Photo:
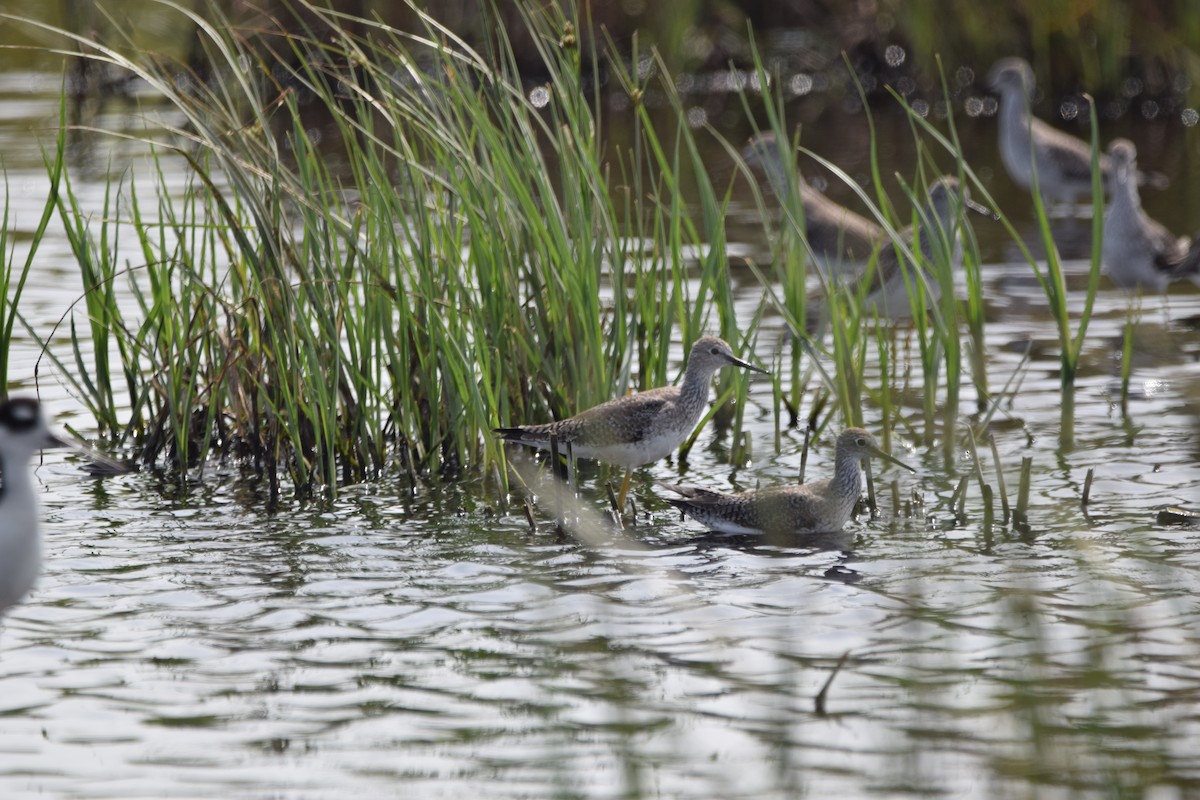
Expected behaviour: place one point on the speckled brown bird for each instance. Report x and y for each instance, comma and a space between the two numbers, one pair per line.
639, 428
823, 506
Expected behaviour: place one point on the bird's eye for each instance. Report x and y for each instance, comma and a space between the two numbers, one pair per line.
861, 442
716, 351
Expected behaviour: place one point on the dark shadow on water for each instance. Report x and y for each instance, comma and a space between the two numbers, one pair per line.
788, 546
778, 544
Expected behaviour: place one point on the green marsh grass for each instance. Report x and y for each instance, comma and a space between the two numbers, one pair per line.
1071, 332
943, 343
446, 257
843, 359
786, 284
935, 326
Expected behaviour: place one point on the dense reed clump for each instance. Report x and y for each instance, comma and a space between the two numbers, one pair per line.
370, 248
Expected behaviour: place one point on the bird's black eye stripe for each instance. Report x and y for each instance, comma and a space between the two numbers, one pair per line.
19, 415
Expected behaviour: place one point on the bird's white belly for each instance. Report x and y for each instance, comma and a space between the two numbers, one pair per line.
630, 454
20, 559
725, 526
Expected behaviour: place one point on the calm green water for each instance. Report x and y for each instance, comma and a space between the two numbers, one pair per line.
430, 645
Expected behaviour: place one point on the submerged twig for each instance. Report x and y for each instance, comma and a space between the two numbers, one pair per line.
819, 700
529, 515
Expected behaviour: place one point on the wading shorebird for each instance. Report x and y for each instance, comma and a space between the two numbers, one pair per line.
1139, 253
892, 280
891, 284
823, 506
1063, 161
639, 428
842, 241
23, 433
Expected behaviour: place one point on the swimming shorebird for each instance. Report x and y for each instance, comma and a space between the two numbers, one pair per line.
639, 428
823, 506
22, 433
1139, 253
1063, 161
842, 241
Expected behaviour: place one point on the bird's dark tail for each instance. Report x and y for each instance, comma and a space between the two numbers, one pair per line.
532, 435
510, 434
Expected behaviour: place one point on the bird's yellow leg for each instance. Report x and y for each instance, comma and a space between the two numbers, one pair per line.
624, 491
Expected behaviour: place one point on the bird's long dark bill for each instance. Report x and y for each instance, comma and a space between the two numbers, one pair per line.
880, 454
737, 362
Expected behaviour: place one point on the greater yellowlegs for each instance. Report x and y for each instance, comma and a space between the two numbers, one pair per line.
639, 428
1139, 253
1063, 161
22, 433
823, 506
841, 240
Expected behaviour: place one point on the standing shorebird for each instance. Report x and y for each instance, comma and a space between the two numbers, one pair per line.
841, 240
22, 433
1139, 253
823, 506
893, 281
639, 428
1063, 161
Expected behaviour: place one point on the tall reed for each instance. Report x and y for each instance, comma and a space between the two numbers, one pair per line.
444, 249
1071, 332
